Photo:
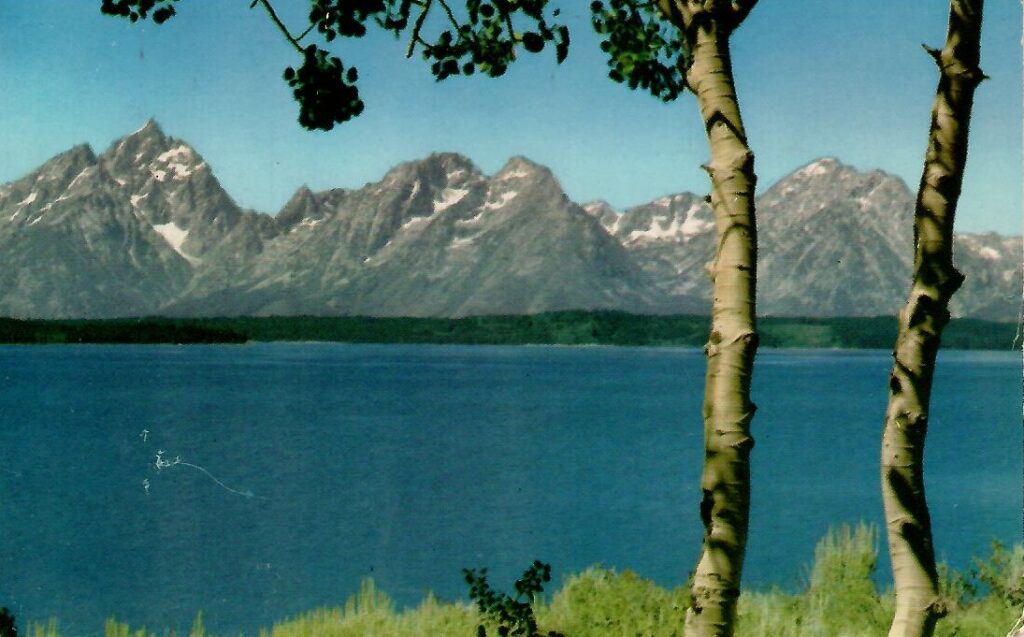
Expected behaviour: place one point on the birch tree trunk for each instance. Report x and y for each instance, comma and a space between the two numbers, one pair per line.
935, 280
727, 411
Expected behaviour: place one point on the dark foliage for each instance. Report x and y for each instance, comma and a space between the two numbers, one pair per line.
514, 615
563, 328
141, 331
484, 36
162, 10
326, 93
645, 51
7, 626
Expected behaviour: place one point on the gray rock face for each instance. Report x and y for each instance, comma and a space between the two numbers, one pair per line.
434, 238
838, 242
833, 241
145, 228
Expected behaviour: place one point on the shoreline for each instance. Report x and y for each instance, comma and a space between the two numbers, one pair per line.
570, 328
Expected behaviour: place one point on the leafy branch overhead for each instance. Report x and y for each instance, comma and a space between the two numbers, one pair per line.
479, 36
645, 51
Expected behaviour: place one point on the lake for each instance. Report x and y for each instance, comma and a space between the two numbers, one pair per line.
292, 471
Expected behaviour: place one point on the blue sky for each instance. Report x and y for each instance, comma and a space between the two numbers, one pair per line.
815, 78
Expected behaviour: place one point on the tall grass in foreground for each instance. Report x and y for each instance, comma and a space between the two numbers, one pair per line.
839, 600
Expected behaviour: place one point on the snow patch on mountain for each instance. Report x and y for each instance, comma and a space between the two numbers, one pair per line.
180, 160
663, 202
518, 173
180, 151
32, 196
693, 225
416, 222
475, 219
175, 237
80, 176
820, 167
503, 199
450, 197
463, 242
661, 228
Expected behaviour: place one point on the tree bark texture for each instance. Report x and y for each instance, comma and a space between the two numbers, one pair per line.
935, 280
728, 410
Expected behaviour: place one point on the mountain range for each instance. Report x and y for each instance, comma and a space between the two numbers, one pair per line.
145, 228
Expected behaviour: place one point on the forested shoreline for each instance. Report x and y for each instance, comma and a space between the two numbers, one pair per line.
553, 328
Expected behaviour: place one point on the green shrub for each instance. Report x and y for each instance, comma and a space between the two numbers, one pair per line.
601, 602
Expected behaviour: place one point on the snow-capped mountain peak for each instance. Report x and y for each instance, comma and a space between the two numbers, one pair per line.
145, 228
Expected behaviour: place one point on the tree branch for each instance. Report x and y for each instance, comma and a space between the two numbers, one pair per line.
450, 14
280, 25
511, 30
305, 33
416, 29
740, 10
677, 12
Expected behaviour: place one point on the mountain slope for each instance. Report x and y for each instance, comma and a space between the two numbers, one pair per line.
833, 241
146, 228
436, 238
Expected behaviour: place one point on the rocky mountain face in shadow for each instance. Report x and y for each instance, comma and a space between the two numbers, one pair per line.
145, 228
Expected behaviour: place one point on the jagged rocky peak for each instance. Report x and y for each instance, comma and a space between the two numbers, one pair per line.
58, 169
149, 153
604, 212
67, 165
520, 167
824, 172
453, 166
528, 180
52, 180
302, 206
147, 138
827, 188
669, 219
150, 130
844, 177
438, 170
819, 167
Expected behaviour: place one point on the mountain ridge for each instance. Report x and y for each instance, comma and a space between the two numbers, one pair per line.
145, 228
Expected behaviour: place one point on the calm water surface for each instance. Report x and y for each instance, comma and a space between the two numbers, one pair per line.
408, 463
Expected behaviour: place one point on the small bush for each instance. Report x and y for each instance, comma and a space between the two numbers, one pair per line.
7, 625
513, 616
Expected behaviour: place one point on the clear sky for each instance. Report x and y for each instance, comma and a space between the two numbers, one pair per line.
842, 78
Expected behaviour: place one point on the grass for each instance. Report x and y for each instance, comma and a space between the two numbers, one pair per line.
839, 600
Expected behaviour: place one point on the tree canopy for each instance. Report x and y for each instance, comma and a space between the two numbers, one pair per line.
645, 49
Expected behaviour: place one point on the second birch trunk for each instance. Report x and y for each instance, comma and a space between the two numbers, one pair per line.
918, 601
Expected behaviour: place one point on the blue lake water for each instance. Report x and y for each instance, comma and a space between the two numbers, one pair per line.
408, 463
